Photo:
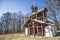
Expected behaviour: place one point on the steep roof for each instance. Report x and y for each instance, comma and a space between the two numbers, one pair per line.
44, 9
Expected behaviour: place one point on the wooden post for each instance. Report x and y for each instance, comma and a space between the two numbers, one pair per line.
28, 29
43, 16
36, 16
37, 30
42, 29
33, 29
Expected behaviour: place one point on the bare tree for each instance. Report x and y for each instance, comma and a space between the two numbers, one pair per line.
21, 21
12, 22
53, 7
6, 21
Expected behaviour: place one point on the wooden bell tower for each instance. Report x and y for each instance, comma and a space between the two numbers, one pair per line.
34, 8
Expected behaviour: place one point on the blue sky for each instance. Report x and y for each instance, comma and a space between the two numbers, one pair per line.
19, 5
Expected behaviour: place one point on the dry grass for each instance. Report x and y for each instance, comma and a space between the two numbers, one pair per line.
21, 36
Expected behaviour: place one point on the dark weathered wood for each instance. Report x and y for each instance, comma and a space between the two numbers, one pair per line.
37, 28
33, 29
43, 16
36, 16
39, 17
42, 30
28, 30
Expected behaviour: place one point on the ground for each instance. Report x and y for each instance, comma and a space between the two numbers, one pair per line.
21, 36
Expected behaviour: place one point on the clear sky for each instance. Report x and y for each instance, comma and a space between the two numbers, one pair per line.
19, 5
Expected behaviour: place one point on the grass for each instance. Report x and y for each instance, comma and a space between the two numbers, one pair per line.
21, 36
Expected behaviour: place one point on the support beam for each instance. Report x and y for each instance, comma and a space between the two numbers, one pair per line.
42, 29
40, 17
37, 30
43, 16
33, 29
28, 29
36, 16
